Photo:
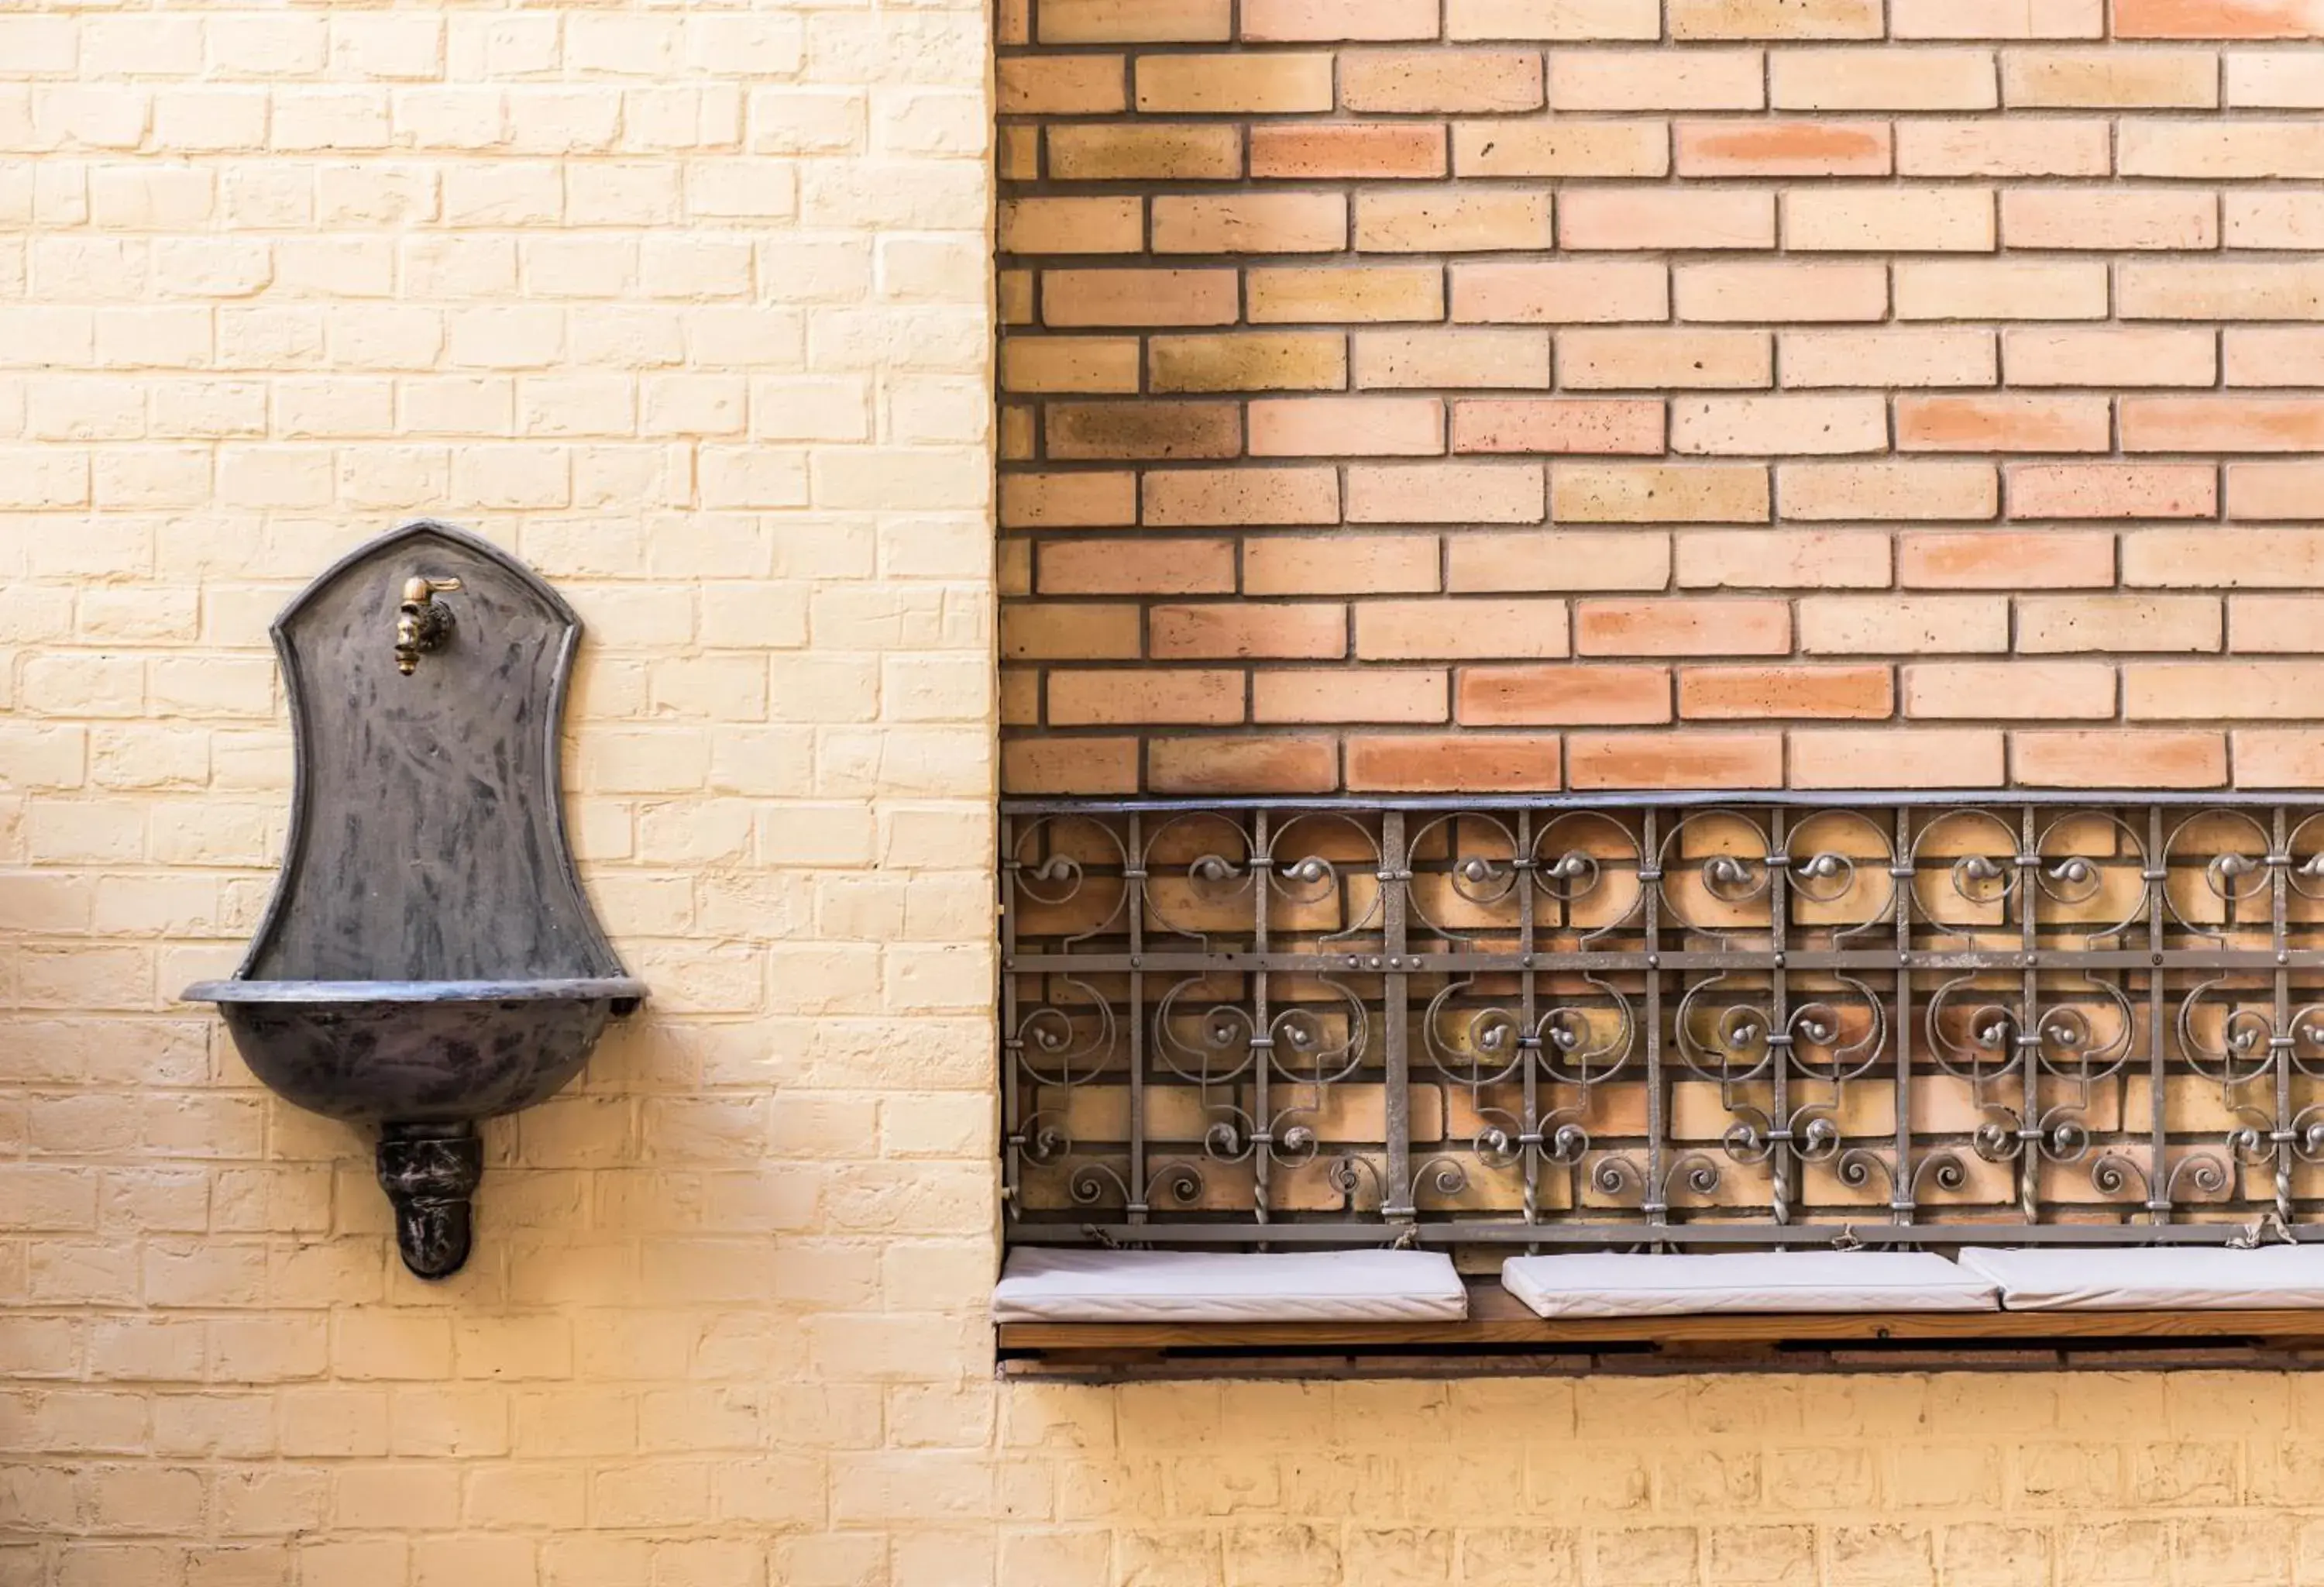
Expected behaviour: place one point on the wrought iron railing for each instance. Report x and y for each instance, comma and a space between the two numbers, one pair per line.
1676, 1021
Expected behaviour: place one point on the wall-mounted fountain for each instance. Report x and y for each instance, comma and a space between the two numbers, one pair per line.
429, 958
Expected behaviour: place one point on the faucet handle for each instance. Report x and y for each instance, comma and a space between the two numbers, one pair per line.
419, 587
421, 624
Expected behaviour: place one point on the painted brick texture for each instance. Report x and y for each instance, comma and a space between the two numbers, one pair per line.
1380, 378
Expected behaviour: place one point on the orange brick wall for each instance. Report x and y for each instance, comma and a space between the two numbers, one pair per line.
1517, 394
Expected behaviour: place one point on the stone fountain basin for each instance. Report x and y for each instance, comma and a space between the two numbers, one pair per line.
417, 1052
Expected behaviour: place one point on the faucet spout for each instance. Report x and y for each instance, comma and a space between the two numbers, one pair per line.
421, 625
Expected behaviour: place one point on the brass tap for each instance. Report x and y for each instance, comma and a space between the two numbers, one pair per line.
421, 624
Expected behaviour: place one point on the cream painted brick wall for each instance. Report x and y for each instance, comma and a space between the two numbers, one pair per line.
689, 306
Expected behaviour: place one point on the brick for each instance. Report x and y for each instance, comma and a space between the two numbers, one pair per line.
1471, 359
1784, 148
2111, 757
2274, 80
1444, 492
1270, 763
2274, 491
1864, 758
1071, 225
1746, 694
1030, 767
1151, 151
1279, 21
1450, 220
1571, 21
1149, 430
1558, 425
2275, 624
2219, 19
2009, 423
1133, 22
2275, 357
1346, 427
2113, 490
1918, 357
2115, 356
1996, 19
2062, 625
1069, 364
1763, 426
1687, 759
1655, 360
2222, 424
1248, 631
2045, 147
1418, 82
1658, 494
1247, 361
1670, 627
1560, 292
2126, 219
1561, 695
1556, 147
2220, 150
1062, 85
1461, 629
1264, 84
1856, 79
1658, 80
1062, 631
2274, 220
2229, 559
1414, 695
2278, 757
1108, 298
1194, 697
1442, 763
2001, 290
1250, 223
1665, 219
1126, 567
1774, 19
1341, 565
1346, 150
1566, 559
2108, 78
1997, 560
1889, 219
2155, 290
1900, 625
1182, 498
2028, 691
1372, 292
1781, 292
1068, 501
1786, 558
2205, 691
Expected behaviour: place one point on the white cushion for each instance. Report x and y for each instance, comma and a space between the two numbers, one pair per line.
1044, 1286
1620, 1286
2155, 1277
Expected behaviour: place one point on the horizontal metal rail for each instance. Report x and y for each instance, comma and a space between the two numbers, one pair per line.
1643, 1021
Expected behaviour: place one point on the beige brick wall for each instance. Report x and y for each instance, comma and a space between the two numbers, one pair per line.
688, 306
1427, 395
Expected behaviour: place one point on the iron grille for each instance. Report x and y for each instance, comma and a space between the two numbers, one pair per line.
1674, 1021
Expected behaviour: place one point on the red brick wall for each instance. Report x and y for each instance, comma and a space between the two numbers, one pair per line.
1515, 394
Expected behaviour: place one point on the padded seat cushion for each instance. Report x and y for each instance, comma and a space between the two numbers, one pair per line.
1041, 1286
1650, 1286
2155, 1277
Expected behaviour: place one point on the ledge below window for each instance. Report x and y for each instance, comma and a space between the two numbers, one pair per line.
1501, 1334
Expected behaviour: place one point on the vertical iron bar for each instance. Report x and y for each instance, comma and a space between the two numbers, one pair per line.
1012, 1188
2028, 1034
2279, 873
1901, 881
1779, 1016
1650, 884
1262, 1040
1529, 1144
1133, 903
1396, 862
2157, 884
